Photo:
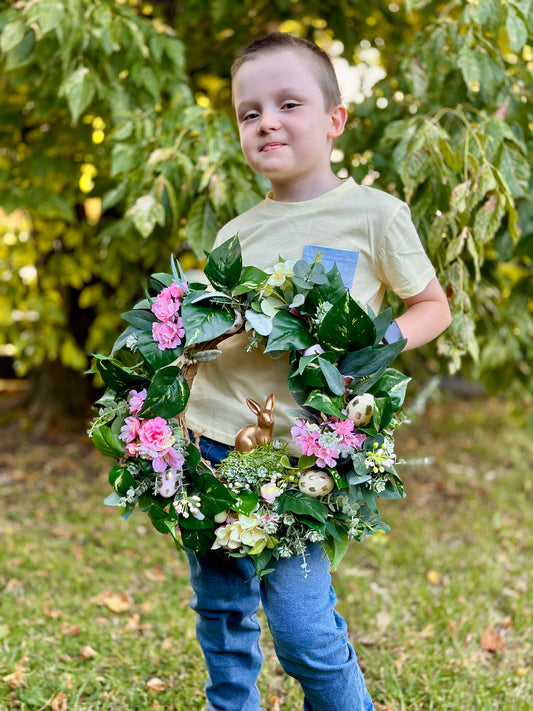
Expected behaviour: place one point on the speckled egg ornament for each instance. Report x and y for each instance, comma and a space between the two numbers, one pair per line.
361, 409
168, 483
315, 483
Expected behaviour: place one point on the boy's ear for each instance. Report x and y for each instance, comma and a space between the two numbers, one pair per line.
337, 121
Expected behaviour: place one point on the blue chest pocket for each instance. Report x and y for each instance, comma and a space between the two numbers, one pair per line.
345, 259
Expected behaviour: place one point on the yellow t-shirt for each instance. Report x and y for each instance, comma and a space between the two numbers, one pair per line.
351, 217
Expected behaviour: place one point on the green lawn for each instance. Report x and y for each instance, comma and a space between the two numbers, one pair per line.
94, 611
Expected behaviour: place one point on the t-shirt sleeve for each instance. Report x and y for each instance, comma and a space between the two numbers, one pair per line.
402, 263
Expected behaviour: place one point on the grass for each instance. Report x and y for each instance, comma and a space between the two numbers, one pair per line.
94, 611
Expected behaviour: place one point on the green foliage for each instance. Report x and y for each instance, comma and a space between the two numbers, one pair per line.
458, 152
118, 146
109, 156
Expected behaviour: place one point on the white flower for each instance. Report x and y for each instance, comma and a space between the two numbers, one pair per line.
280, 272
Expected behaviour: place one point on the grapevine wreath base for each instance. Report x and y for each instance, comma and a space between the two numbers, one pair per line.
261, 501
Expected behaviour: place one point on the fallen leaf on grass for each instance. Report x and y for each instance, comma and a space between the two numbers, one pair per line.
491, 640
156, 574
116, 602
13, 585
134, 624
61, 532
275, 701
59, 702
433, 577
87, 652
384, 619
15, 678
71, 630
156, 684
428, 631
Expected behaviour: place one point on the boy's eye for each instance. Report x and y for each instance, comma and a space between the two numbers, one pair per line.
290, 104
249, 115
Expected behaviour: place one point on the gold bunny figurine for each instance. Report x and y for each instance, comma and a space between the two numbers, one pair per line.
249, 437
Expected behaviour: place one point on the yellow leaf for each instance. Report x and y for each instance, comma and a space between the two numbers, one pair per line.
433, 577
116, 602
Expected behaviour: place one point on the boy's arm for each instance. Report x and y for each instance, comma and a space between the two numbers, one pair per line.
426, 316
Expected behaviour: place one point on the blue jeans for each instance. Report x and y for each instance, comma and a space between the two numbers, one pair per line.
310, 637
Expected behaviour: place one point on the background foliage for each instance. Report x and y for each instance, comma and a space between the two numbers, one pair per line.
117, 148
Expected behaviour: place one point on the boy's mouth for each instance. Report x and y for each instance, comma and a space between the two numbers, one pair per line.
272, 146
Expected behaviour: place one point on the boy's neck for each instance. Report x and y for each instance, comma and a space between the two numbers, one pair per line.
302, 190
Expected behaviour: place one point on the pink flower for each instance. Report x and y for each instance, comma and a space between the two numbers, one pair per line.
299, 428
130, 429
165, 307
155, 436
326, 456
308, 442
133, 449
305, 435
167, 303
171, 458
136, 400
168, 334
357, 439
341, 427
176, 290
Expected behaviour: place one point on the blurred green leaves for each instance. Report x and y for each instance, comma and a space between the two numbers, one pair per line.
116, 165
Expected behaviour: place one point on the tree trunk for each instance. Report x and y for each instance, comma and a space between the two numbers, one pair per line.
58, 398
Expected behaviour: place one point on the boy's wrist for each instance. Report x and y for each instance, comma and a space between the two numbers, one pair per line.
392, 334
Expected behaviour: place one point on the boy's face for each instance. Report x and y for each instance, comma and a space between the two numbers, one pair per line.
285, 129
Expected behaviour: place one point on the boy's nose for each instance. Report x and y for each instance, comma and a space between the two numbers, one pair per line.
268, 122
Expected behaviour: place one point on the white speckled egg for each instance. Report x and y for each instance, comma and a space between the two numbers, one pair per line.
361, 409
167, 483
315, 483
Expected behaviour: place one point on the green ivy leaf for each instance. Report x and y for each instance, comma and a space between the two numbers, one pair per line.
246, 502
116, 376
167, 395
155, 357
325, 403
289, 333
370, 360
108, 443
252, 278
224, 265
123, 482
346, 326
394, 384
335, 546
214, 495
115, 472
300, 503
202, 324
160, 518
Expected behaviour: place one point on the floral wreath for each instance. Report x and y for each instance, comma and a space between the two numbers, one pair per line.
257, 502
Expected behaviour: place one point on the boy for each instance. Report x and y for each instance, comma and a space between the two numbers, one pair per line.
289, 112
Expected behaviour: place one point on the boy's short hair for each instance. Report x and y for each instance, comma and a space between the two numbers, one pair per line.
283, 40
